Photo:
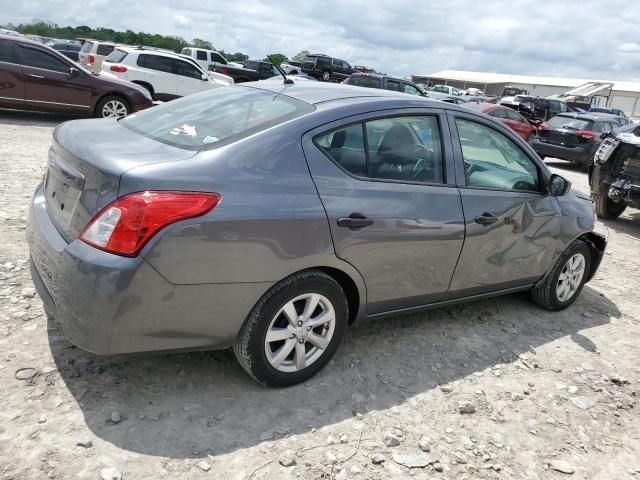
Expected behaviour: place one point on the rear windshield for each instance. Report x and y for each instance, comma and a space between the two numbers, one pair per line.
116, 56
569, 122
104, 49
369, 82
216, 117
86, 47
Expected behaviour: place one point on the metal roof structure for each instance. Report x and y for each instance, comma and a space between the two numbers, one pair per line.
494, 78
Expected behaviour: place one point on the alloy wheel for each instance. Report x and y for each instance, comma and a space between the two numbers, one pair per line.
570, 277
114, 109
300, 332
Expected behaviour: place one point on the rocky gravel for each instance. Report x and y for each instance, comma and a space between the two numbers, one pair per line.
495, 389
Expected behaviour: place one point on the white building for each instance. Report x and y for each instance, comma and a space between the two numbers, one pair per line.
609, 93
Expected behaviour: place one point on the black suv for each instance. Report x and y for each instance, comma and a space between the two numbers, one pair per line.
376, 80
326, 68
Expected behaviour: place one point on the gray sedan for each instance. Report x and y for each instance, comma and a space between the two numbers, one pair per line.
269, 217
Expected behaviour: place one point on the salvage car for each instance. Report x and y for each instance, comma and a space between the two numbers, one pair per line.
614, 175
326, 68
572, 136
508, 116
268, 217
36, 77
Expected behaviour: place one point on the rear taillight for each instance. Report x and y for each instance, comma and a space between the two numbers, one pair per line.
586, 134
126, 225
543, 126
224, 71
91, 59
118, 68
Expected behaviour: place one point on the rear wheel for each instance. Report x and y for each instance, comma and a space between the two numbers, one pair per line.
112, 106
566, 279
294, 330
607, 208
326, 75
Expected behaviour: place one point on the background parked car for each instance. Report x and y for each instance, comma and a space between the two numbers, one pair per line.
612, 111
508, 116
443, 97
93, 52
572, 136
326, 68
165, 75
253, 70
206, 58
619, 120
447, 90
376, 80
68, 49
291, 67
40, 78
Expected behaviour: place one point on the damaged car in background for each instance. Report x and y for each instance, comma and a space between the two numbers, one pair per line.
614, 175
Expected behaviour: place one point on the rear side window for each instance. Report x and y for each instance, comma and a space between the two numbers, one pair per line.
185, 69
104, 49
156, 62
215, 117
116, 56
513, 115
8, 52
560, 121
201, 55
370, 82
86, 47
36, 58
407, 149
498, 113
394, 85
411, 90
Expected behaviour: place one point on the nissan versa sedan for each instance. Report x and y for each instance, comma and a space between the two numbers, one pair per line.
269, 217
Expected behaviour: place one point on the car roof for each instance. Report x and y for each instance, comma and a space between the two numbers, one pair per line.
321, 92
24, 40
603, 115
482, 106
151, 51
583, 116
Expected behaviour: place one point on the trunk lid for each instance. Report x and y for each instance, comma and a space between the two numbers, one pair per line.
86, 161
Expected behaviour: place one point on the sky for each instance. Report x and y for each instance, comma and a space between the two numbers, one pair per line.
592, 39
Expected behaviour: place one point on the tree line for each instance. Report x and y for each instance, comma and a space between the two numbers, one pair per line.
129, 37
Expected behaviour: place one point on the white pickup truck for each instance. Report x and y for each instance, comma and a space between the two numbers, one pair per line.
207, 57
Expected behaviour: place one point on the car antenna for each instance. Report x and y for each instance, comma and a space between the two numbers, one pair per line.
287, 81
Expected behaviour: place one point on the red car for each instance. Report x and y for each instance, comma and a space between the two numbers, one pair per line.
508, 116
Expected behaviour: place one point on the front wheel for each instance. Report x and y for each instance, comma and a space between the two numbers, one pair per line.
112, 106
607, 208
566, 279
294, 330
326, 75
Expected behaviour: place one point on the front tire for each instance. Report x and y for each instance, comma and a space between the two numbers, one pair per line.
326, 76
566, 279
294, 330
607, 208
112, 106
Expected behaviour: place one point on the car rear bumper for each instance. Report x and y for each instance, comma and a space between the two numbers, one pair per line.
578, 154
108, 304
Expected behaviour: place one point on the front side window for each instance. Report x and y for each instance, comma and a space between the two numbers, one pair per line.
515, 116
498, 113
491, 160
201, 55
35, 58
8, 52
216, 57
394, 85
206, 120
105, 49
360, 81
407, 149
185, 69
411, 90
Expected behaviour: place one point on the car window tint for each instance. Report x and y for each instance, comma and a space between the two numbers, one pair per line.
116, 56
498, 113
156, 62
394, 85
185, 69
405, 148
216, 57
513, 115
104, 49
410, 89
36, 58
360, 81
8, 52
201, 55
491, 160
345, 147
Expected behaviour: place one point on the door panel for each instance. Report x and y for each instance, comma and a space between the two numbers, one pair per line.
11, 85
512, 229
189, 78
407, 246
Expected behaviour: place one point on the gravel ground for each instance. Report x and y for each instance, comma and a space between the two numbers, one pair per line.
492, 389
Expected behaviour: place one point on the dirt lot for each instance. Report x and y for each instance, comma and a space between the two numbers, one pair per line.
549, 392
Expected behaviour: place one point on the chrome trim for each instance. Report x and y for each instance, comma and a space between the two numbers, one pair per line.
58, 103
14, 99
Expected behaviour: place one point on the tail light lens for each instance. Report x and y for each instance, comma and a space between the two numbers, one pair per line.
118, 68
91, 59
126, 225
224, 71
543, 126
587, 134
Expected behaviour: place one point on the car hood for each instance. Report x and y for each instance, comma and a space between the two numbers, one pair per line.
108, 79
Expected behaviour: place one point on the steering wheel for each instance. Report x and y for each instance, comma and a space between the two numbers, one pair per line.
424, 156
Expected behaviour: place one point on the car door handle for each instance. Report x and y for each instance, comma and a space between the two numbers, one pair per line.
355, 221
35, 76
486, 218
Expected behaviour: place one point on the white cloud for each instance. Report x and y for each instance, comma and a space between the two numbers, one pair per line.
586, 39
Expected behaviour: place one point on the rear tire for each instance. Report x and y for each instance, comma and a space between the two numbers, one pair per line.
606, 208
566, 279
326, 76
112, 106
294, 330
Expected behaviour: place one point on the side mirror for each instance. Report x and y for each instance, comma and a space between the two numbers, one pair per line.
558, 186
204, 77
73, 72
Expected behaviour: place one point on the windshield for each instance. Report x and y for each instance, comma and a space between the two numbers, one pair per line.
216, 117
570, 122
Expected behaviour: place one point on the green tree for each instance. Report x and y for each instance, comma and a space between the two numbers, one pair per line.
278, 58
299, 57
199, 43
